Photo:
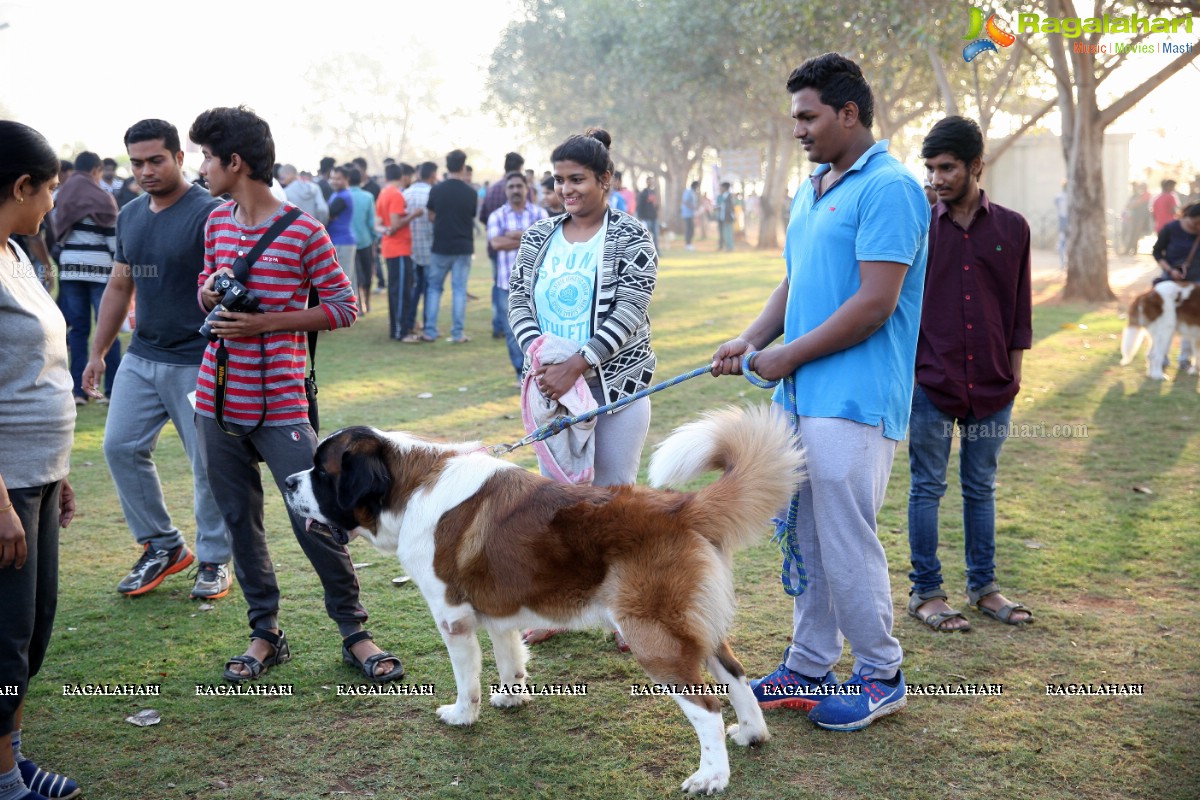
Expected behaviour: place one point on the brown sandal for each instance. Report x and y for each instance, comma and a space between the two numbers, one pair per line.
934, 621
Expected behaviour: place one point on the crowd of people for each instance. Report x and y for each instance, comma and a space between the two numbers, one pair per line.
910, 306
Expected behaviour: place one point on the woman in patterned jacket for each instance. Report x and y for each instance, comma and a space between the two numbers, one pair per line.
588, 276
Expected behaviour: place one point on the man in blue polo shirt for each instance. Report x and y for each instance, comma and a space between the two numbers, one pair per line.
849, 310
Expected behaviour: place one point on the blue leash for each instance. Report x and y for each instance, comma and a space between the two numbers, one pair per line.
785, 529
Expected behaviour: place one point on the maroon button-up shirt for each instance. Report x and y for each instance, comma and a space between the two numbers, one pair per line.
978, 306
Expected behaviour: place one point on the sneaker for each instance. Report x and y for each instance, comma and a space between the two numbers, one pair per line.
786, 688
46, 784
853, 712
212, 581
152, 567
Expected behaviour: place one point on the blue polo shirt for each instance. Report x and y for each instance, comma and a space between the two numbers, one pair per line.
876, 212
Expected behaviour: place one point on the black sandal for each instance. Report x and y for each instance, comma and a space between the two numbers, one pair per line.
282, 655
368, 666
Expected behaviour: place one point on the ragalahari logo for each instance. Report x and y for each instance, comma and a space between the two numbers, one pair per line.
995, 35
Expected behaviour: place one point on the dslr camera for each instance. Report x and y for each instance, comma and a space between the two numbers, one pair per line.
234, 297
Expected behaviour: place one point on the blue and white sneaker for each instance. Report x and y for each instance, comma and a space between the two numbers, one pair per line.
786, 688
853, 712
46, 784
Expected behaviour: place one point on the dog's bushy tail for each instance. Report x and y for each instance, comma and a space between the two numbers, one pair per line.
762, 466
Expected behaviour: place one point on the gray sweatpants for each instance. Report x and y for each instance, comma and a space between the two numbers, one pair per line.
619, 441
146, 394
848, 590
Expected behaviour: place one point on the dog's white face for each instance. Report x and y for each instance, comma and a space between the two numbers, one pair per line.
338, 497
361, 474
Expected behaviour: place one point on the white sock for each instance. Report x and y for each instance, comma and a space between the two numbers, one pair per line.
11, 785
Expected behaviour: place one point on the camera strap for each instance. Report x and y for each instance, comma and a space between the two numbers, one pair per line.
241, 271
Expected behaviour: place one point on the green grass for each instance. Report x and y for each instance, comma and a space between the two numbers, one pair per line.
1110, 572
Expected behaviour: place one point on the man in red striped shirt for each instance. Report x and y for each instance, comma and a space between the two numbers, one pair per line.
265, 412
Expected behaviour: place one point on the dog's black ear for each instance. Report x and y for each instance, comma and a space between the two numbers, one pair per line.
364, 482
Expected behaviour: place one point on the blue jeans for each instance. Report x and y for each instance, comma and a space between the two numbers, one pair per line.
79, 300
725, 236
414, 296
930, 431
515, 355
458, 267
399, 276
499, 312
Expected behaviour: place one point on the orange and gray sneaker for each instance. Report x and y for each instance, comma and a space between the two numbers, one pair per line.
212, 581
152, 567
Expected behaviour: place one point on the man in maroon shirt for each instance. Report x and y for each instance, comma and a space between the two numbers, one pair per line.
975, 327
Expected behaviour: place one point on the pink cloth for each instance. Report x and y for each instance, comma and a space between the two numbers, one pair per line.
568, 456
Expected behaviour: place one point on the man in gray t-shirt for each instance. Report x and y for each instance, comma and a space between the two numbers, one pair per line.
160, 251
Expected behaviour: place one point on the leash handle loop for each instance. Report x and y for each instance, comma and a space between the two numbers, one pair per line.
751, 375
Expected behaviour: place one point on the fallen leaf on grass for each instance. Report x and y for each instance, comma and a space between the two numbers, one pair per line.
220, 785
145, 717
425, 396
1033, 545
1143, 490
206, 607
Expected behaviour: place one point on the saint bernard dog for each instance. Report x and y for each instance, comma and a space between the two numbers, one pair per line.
493, 545
1169, 307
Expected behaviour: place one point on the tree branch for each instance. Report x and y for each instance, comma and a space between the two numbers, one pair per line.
1131, 98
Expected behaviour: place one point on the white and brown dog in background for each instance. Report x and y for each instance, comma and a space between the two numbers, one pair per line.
1169, 307
492, 545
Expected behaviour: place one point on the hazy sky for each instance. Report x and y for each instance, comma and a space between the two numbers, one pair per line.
82, 72
93, 68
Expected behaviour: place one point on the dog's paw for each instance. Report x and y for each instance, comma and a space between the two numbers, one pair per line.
747, 736
505, 700
458, 715
706, 781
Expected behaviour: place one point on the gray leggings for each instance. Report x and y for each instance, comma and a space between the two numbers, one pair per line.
619, 441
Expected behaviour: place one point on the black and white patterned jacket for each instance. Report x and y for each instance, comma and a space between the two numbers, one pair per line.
620, 343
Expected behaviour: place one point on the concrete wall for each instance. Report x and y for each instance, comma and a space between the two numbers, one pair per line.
1030, 173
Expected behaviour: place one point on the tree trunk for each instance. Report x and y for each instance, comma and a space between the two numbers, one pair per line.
774, 196
1087, 227
1087, 223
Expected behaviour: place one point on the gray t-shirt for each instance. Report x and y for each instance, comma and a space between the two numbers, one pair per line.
37, 412
165, 250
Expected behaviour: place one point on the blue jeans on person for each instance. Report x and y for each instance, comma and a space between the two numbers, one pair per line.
725, 236
398, 277
79, 300
499, 313
515, 355
652, 229
930, 431
458, 267
414, 293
